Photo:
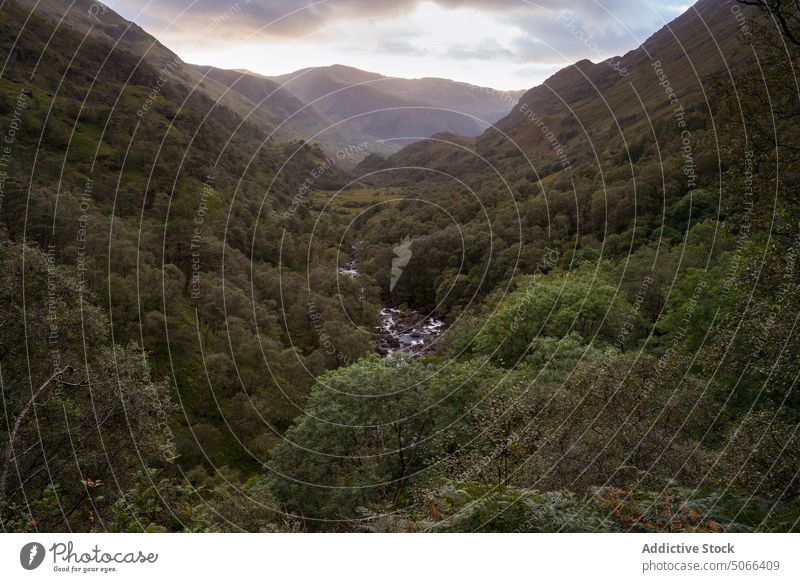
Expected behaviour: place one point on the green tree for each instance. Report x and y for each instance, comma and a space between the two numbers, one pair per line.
366, 433
555, 307
80, 414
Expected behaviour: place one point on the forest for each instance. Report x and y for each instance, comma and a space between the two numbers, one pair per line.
190, 299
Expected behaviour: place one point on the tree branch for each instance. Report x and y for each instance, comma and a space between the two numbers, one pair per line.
9, 452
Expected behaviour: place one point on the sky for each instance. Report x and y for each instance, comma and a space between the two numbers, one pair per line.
503, 44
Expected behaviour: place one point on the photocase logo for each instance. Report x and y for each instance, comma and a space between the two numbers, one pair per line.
31, 555
403, 252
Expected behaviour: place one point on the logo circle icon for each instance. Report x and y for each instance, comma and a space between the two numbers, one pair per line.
31, 555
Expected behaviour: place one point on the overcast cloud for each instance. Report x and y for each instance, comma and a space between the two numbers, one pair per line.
524, 41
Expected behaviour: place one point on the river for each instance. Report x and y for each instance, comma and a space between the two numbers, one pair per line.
401, 329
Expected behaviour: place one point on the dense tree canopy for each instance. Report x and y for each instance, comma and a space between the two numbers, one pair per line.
188, 307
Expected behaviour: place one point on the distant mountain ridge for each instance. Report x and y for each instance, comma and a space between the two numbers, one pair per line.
392, 108
289, 111
312, 104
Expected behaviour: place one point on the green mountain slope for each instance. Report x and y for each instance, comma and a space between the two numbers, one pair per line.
591, 112
615, 267
171, 219
101, 22
288, 109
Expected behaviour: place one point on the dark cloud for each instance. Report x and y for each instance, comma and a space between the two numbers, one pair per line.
293, 18
514, 34
283, 18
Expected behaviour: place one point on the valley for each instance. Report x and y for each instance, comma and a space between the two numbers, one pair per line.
401, 330
337, 300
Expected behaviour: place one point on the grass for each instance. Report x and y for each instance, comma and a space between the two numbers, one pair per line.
353, 201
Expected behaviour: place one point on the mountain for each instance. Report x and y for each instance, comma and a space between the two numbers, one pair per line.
614, 275
702, 41
300, 105
633, 211
131, 190
311, 104
392, 108
100, 22
255, 98
592, 112
597, 155
266, 94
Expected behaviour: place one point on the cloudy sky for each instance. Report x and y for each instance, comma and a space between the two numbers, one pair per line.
505, 44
